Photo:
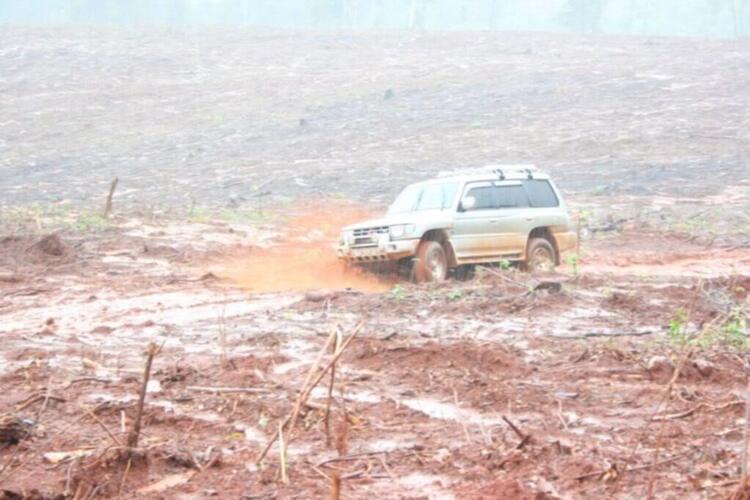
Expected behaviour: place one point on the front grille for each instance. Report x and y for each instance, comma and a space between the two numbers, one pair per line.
370, 231
365, 242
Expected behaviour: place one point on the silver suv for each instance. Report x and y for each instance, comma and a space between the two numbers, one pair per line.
453, 222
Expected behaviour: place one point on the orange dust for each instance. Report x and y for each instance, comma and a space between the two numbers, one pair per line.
305, 258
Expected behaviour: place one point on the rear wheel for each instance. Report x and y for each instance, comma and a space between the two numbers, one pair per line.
431, 263
540, 255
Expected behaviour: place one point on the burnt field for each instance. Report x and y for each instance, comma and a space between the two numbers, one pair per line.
218, 117
240, 155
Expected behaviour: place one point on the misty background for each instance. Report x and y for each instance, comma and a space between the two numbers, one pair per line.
695, 18
634, 107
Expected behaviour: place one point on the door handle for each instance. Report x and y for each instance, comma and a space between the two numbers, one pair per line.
529, 219
492, 221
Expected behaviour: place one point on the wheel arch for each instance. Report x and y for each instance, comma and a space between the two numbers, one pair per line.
546, 233
441, 236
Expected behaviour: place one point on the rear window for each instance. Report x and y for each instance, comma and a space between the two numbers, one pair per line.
512, 197
541, 193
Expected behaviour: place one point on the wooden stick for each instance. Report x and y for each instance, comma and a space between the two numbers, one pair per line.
681, 414
330, 391
336, 486
640, 467
124, 476
310, 388
282, 454
578, 238
136, 430
503, 277
463, 423
101, 424
302, 390
35, 398
306, 392
224, 390
108, 206
359, 456
524, 437
298, 404
746, 447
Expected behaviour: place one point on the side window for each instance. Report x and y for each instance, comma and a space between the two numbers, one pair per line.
512, 197
484, 196
541, 193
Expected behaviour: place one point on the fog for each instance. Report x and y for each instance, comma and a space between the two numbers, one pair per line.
695, 18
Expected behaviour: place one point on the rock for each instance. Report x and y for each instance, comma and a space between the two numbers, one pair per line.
660, 367
14, 429
51, 245
153, 386
442, 455
549, 286
704, 366
10, 278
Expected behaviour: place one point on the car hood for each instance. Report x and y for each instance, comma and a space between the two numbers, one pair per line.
435, 218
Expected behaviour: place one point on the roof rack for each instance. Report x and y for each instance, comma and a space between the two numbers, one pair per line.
500, 170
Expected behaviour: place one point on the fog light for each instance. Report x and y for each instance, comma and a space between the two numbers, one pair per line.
383, 240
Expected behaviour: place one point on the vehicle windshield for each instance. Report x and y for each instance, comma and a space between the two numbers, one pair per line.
418, 197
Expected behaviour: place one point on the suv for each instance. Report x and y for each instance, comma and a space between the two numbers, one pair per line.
457, 220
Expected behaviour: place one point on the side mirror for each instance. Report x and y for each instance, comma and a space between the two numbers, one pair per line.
467, 203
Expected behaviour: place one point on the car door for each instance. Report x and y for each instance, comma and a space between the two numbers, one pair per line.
513, 219
474, 234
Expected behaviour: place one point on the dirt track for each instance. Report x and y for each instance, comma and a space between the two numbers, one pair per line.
577, 367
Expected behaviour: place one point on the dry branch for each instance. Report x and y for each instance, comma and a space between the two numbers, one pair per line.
136, 430
640, 467
337, 346
101, 424
746, 441
226, 390
302, 398
108, 206
524, 437
35, 398
282, 455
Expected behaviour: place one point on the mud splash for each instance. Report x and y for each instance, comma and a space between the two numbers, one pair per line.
305, 258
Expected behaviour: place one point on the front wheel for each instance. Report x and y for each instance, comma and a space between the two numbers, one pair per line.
431, 263
540, 255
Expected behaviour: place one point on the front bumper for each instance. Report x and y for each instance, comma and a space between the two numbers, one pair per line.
384, 251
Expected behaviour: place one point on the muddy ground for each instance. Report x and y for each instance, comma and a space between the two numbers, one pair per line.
579, 362
229, 146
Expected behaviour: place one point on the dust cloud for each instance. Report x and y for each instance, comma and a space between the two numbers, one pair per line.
305, 258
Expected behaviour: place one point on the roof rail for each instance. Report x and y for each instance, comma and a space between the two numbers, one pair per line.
499, 170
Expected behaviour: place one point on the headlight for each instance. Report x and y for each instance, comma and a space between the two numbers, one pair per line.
347, 237
401, 230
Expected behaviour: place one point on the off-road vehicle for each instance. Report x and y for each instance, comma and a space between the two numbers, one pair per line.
494, 214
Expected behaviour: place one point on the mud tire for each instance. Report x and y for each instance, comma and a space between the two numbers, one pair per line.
431, 263
540, 256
